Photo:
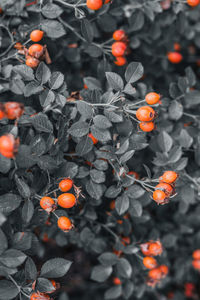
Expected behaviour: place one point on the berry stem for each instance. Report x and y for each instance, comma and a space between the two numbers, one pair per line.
17, 286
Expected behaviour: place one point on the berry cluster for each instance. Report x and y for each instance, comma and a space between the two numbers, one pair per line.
11, 110
166, 187
120, 47
196, 259
156, 272
65, 200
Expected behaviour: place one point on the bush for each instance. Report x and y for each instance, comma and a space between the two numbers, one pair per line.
99, 149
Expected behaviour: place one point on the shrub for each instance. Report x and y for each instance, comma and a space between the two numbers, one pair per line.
99, 149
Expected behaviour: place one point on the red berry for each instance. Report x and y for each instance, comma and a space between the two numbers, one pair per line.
13, 110
193, 2
196, 254
64, 223
152, 98
120, 61
47, 203
145, 113
175, 57
119, 35
65, 185
149, 262
66, 200
94, 4
36, 35
147, 126
169, 177
118, 48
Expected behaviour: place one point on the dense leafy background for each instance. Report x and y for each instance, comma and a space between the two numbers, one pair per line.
54, 143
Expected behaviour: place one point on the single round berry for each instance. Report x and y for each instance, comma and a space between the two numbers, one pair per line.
159, 196
147, 126
36, 50
169, 177
152, 98
164, 269
32, 62
8, 145
64, 223
116, 281
118, 48
65, 185
196, 254
13, 110
193, 3
175, 57
47, 203
166, 187
66, 200
95, 141
149, 262
196, 264
36, 35
145, 114
119, 35
155, 274
39, 296
94, 4
120, 61
155, 248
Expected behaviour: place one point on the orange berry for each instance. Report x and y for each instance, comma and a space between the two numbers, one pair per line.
94, 4
39, 296
147, 126
169, 177
149, 262
119, 35
47, 203
155, 274
196, 254
118, 48
160, 197
177, 47
117, 281
36, 50
85, 86
152, 98
64, 223
107, 1
32, 62
36, 35
95, 141
145, 113
2, 112
126, 240
8, 145
164, 269
13, 110
112, 204
193, 2
175, 57
196, 264
155, 248
167, 188
136, 175
120, 61
65, 185
66, 200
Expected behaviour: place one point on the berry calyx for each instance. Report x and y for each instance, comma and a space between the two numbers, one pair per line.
13, 110
175, 57
145, 113
8, 145
118, 49
36, 50
147, 126
94, 4
36, 35
32, 62
149, 262
66, 200
95, 141
193, 3
65, 185
117, 281
48, 204
64, 224
196, 254
152, 98
169, 177
166, 187
120, 61
119, 35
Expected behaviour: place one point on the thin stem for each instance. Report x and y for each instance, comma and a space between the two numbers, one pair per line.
190, 115
108, 41
65, 3
11, 38
71, 28
17, 286
55, 214
133, 104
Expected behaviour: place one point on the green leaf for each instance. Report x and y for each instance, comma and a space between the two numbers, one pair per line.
27, 211
87, 30
122, 204
101, 121
165, 141
30, 269
51, 11
113, 292
100, 134
41, 123
56, 80
24, 71
43, 73
124, 268
115, 81
3, 243
53, 29
79, 129
108, 259
8, 290
44, 285
9, 202
12, 258
55, 268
